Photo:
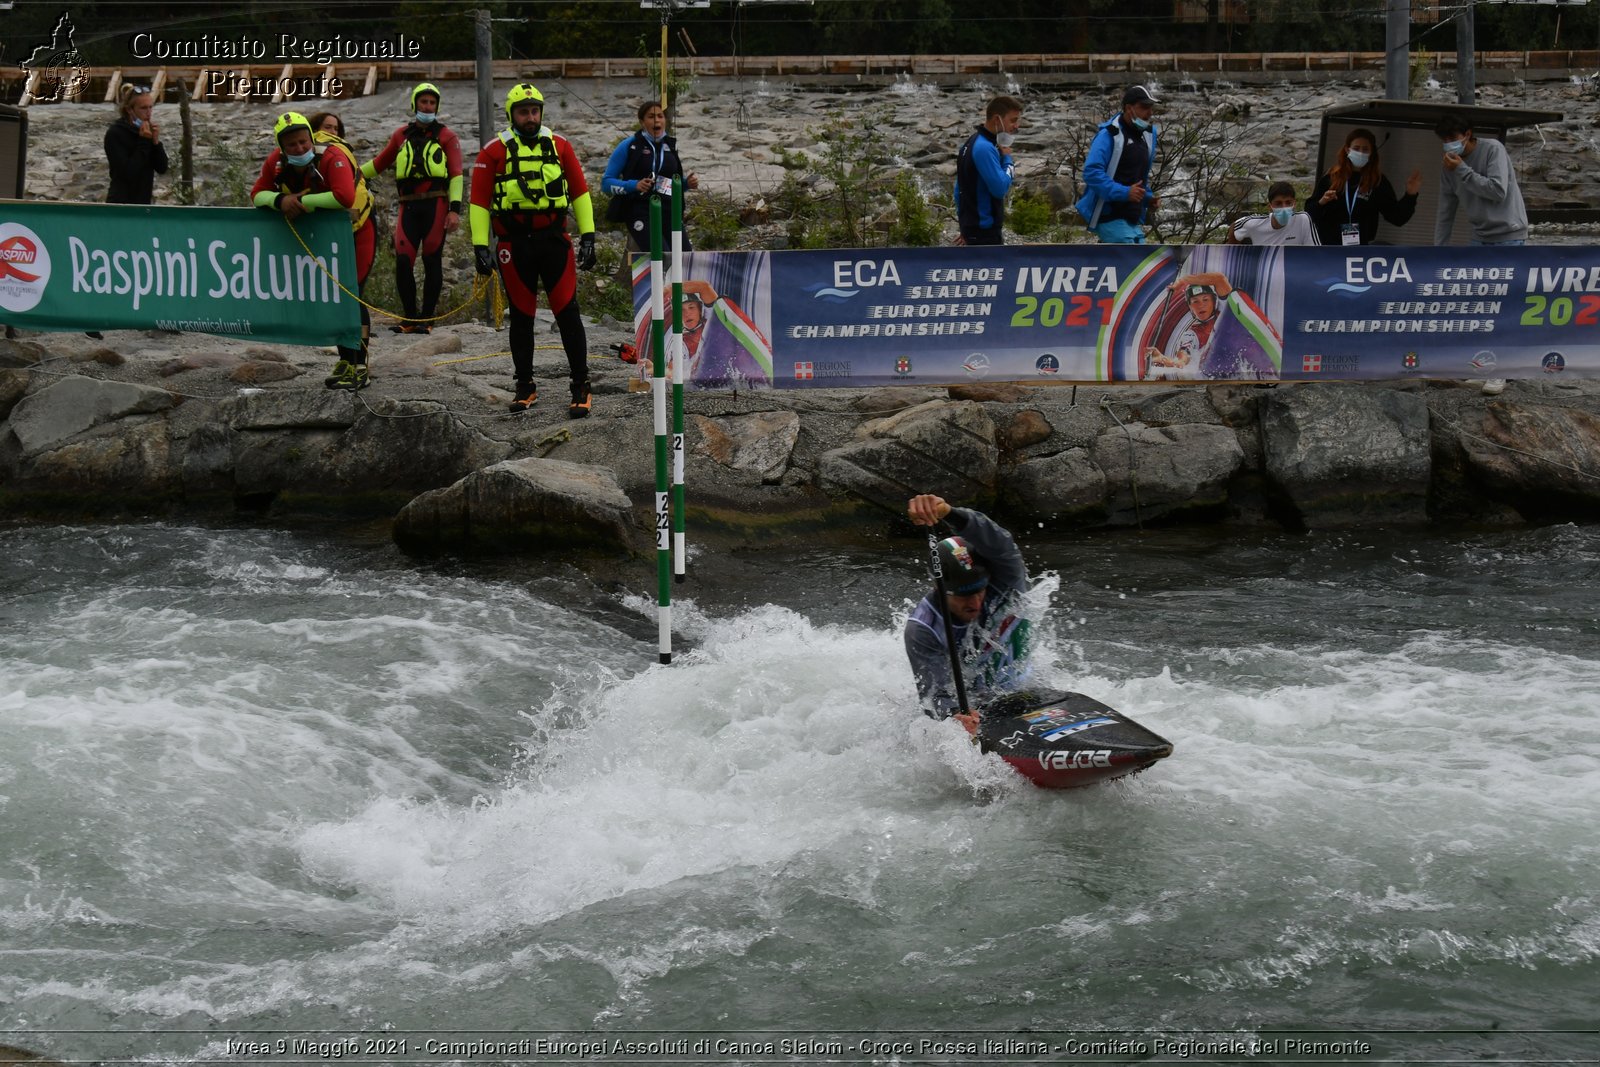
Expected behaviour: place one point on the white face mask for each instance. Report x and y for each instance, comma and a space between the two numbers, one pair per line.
302, 159
1357, 159
426, 117
1005, 140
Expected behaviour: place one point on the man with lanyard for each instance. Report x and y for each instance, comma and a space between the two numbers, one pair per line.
1116, 172
426, 157
984, 579
984, 170
522, 185
303, 174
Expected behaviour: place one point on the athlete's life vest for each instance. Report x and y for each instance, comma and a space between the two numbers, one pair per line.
361, 208
531, 179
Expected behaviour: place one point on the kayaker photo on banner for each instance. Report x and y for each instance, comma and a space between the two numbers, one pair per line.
1210, 327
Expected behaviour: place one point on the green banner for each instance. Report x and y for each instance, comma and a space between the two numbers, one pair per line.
237, 272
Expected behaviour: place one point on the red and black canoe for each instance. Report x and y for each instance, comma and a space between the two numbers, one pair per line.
1063, 740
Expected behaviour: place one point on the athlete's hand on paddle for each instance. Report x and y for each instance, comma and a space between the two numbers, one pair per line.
927, 510
586, 255
970, 721
482, 259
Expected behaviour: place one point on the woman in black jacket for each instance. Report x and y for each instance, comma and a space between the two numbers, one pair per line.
1348, 199
133, 148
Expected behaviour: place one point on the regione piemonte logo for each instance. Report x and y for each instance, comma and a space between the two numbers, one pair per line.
24, 267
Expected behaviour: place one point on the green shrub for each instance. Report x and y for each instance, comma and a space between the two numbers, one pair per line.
1031, 214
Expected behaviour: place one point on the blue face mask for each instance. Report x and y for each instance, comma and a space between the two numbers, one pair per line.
1282, 215
1141, 125
302, 159
1454, 147
137, 123
426, 117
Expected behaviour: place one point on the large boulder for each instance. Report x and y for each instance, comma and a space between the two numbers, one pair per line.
116, 468
760, 443
66, 408
939, 447
521, 506
1166, 472
1539, 459
328, 451
1346, 455
1066, 488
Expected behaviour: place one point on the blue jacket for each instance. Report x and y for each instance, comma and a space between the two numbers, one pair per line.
983, 178
636, 157
1100, 166
994, 650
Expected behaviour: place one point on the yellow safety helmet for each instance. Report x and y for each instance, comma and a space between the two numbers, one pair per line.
425, 87
288, 121
522, 94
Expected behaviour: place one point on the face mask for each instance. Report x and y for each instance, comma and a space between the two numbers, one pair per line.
137, 123
1005, 140
1357, 159
426, 117
1454, 147
1282, 215
302, 159
1141, 125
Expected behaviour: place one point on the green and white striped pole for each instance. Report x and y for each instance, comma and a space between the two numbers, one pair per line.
680, 355
658, 352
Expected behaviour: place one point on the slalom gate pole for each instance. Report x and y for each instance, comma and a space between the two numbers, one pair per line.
658, 352
679, 356
949, 631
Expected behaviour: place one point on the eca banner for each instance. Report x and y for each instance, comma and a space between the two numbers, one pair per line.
238, 272
1129, 313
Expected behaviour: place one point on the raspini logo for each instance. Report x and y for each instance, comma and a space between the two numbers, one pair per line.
24, 268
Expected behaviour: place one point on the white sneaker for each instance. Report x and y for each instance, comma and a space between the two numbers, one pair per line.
1494, 386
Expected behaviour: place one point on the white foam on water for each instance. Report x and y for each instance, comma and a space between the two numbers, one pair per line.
773, 738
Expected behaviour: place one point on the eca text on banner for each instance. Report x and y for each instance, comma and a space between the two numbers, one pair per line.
1131, 313
237, 272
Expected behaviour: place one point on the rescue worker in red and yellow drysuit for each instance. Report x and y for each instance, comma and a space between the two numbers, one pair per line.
426, 157
523, 184
318, 172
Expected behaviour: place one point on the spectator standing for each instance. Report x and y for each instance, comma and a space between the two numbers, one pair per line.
426, 157
133, 148
984, 171
1478, 178
1116, 173
523, 183
1282, 225
305, 173
636, 164
1349, 198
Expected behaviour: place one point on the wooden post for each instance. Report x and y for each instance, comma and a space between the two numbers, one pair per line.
113, 85
285, 76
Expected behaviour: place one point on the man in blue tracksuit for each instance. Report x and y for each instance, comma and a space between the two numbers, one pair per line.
984, 581
984, 171
1116, 173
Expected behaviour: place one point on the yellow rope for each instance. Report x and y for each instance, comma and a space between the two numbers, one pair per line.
478, 283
